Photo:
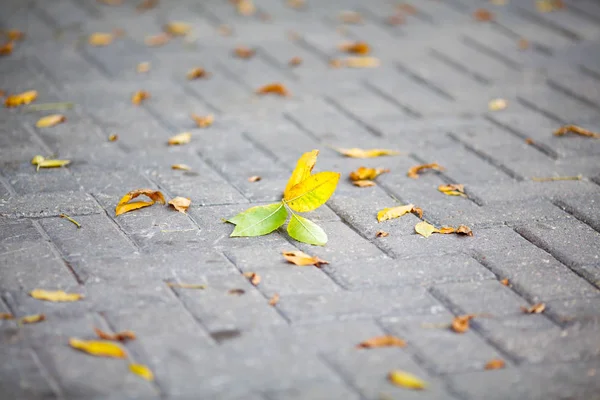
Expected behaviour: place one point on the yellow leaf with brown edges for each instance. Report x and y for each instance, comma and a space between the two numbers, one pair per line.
425, 229
414, 171
364, 184
364, 173
181, 167
406, 380
382, 234
203, 121
576, 130
7, 48
55, 296
302, 259
50, 120
453, 190
397, 212
98, 348
139, 96
52, 163
546, 6
181, 204
136, 205
496, 363
355, 62
382, 341
304, 167
196, 73
100, 39
113, 137
117, 337
123, 206
180, 138
461, 230
160, 39
244, 52
273, 88
142, 371
177, 28
31, 319
370, 153
15, 100
361, 48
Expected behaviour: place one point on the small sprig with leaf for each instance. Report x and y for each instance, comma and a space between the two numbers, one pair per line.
303, 192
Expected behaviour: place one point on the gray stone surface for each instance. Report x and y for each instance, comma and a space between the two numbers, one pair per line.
428, 99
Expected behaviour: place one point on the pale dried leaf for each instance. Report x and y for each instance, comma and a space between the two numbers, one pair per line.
350, 17
361, 48
364, 173
100, 39
425, 229
364, 183
143, 67
253, 277
534, 309
382, 341
413, 172
302, 259
274, 299
180, 138
181, 204
254, 178
497, 104
245, 7
397, 212
203, 121
181, 167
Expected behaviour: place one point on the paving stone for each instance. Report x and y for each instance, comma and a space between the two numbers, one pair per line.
316, 390
49, 205
23, 377
575, 310
583, 208
291, 279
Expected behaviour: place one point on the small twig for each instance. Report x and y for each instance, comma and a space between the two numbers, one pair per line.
65, 216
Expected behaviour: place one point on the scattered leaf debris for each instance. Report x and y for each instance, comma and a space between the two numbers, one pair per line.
31, 319
425, 229
296, 4
382, 341
382, 234
453, 189
481, 14
244, 52
505, 282
143, 67
177, 28
245, 7
302, 259
98, 348
253, 277
4, 315
360, 153
351, 17
254, 178
224, 30
496, 363
546, 6
99, 39
142, 371
497, 105
50, 120
413, 172
15, 34
197, 73
529, 141
534, 309
576, 130
181, 204
157, 40
273, 88
181, 167
236, 292
7, 48
397, 212
124, 206
460, 324
295, 61
145, 5
361, 48
122, 336
364, 173
355, 62
138, 97
180, 138
203, 121
15, 100
364, 183
113, 137
65, 216
406, 380
274, 299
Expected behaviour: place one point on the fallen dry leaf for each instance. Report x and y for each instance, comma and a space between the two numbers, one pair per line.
15, 100
177, 28
302, 259
397, 212
364, 173
117, 337
382, 234
363, 184
100, 39
15, 34
31, 319
296, 3
254, 178
406, 380
481, 14
425, 229
529, 141
45, 163
146, 5
461, 230
460, 324
37, 159
236, 292
557, 178
98, 348
65, 216
157, 40
496, 363
273, 88
244, 52
4, 315
505, 282
142, 371
523, 44
355, 62
453, 190
7, 48
196, 73
143, 67
139, 96
181, 167
274, 299
186, 285
382, 341
253, 277
546, 6
350, 17
113, 137
245, 7
2, 93
497, 104
577, 130
534, 309
203, 121
123, 206
406, 8
360, 153
180, 138
361, 48
50, 120
181, 204
295, 61
414, 171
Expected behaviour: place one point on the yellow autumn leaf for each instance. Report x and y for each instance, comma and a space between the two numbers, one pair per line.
142, 371
413, 172
100, 39
203, 121
50, 120
361, 48
15, 100
395, 212
425, 229
157, 40
364, 173
497, 104
52, 163
360, 153
576, 130
37, 159
123, 206
245, 7
302, 259
143, 67
136, 205
177, 28
55, 296
453, 190
356, 62
304, 167
139, 96
312, 192
181, 204
31, 319
364, 184
196, 73
181, 167
180, 138
406, 380
98, 348
273, 88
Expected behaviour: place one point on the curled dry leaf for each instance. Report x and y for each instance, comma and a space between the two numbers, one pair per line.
7, 48
245, 7
115, 337
382, 234
414, 171
382, 341
180, 138
124, 206
534, 309
143, 67
364, 173
142, 371
100, 39
244, 52
236, 292
273, 88
157, 40
139, 96
497, 104
31, 319
50, 120
181, 204
253, 277
453, 190
196, 73
295, 61
481, 14
361, 48
254, 178
15, 100
360, 153
181, 167
4, 315
577, 130
302, 259
397, 212
203, 121
355, 62
177, 28
460, 324
406, 380
496, 363
113, 137
350, 17
274, 299
98, 348
364, 183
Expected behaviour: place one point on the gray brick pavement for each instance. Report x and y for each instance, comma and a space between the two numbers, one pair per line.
428, 99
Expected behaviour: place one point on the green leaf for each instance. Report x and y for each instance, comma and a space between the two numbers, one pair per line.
304, 230
313, 192
259, 220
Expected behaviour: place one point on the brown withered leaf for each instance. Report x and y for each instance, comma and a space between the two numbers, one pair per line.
31, 319
123, 206
397, 212
382, 234
196, 73
413, 172
497, 105
302, 259
142, 67
253, 277
505, 282
534, 309
254, 178
350, 17
139, 96
382, 341
274, 299
546, 6
4, 315
245, 7
99, 39
203, 121
496, 363
116, 337
15, 34
364, 183
460, 324
273, 88
364, 173
453, 189
181, 167
577, 130
236, 292
50, 120
481, 14
529, 141
146, 5
113, 137
361, 48
295, 61
244, 52
523, 44
55, 296
181, 204
360, 153
177, 28
15, 100
180, 138
160, 39
7, 48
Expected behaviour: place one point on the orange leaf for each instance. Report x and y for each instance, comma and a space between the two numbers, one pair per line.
245, 7
414, 171
181, 204
481, 14
382, 234
302, 259
50, 120
534, 309
577, 130
180, 138
363, 184
254, 178
460, 324
4, 315
157, 40
505, 282
274, 299
100, 39
355, 62
496, 363
203, 122
196, 73
117, 337
364, 173
7, 48
139, 96
273, 88
253, 277
15, 100
382, 341
177, 28
124, 206
361, 48
15, 35
244, 52
143, 67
